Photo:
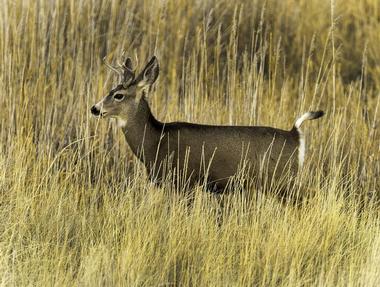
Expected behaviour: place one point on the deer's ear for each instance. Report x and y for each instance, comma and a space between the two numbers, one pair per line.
128, 64
150, 73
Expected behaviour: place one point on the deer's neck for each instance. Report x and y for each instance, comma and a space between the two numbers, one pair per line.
143, 133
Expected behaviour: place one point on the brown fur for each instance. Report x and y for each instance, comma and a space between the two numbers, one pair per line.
221, 148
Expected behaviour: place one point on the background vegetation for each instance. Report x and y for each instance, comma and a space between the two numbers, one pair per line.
77, 209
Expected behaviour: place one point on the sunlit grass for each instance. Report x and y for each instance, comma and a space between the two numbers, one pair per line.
77, 207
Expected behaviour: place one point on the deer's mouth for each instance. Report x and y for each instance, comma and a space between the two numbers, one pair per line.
100, 115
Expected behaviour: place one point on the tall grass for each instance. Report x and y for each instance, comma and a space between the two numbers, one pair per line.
77, 208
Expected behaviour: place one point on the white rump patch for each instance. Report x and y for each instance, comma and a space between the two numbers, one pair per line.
301, 149
302, 145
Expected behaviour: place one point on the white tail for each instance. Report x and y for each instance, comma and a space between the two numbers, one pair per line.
308, 116
297, 125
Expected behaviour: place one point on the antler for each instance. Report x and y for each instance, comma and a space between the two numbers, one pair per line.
125, 71
113, 68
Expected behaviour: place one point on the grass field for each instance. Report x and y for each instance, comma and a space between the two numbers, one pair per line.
76, 208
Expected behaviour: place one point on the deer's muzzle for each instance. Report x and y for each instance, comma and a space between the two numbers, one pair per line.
95, 111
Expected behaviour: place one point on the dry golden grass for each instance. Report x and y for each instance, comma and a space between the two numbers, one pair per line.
77, 209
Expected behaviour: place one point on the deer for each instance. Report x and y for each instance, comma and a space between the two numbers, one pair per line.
198, 152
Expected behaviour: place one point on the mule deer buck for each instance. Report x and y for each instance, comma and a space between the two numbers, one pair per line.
197, 152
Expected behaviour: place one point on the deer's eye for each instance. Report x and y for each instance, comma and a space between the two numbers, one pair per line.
118, 97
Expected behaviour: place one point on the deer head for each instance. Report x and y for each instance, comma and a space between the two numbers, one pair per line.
122, 101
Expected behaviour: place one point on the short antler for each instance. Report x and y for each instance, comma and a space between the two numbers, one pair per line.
125, 70
112, 68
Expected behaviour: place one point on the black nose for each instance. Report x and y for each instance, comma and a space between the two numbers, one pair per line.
95, 111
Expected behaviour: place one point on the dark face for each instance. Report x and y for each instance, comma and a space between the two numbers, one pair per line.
122, 101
